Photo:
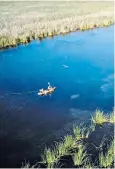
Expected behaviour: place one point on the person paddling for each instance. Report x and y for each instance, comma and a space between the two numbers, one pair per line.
49, 86
49, 90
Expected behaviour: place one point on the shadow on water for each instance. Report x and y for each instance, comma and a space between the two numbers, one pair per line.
29, 122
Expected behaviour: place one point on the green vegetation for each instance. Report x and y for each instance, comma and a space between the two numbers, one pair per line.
21, 22
51, 156
79, 156
88, 164
69, 142
106, 160
77, 132
80, 132
112, 118
61, 149
100, 117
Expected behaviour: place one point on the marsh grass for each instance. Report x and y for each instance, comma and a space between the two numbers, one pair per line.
77, 132
81, 132
112, 117
49, 157
61, 150
106, 160
21, 22
69, 142
99, 117
80, 156
63, 147
72, 145
88, 164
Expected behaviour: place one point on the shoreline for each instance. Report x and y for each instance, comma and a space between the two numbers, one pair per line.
39, 20
19, 41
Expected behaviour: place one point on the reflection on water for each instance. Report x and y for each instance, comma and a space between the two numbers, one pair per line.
29, 122
74, 96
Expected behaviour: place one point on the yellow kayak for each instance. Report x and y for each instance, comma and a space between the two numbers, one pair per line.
47, 91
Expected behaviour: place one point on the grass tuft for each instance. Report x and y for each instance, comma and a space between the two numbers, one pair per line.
99, 117
107, 159
64, 147
52, 157
80, 132
69, 141
77, 132
61, 150
49, 157
111, 117
80, 156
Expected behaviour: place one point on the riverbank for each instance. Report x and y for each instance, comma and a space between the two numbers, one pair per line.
87, 147
21, 22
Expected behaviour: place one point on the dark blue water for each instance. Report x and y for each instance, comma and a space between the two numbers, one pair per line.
28, 122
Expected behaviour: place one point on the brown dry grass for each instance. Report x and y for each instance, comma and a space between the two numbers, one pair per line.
20, 22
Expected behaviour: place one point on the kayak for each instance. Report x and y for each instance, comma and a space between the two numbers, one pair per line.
47, 91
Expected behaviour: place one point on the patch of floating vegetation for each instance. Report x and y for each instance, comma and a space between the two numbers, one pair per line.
74, 148
10, 41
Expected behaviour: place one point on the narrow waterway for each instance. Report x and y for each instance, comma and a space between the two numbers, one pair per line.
80, 65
